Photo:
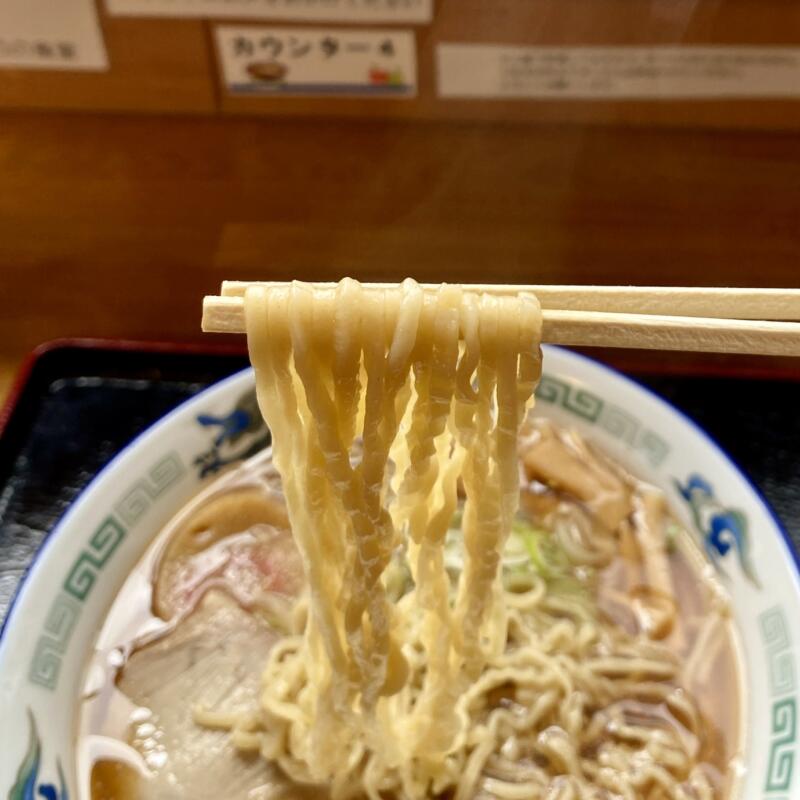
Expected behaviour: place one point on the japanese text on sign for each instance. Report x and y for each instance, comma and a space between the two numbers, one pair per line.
40, 34
44, 51
486, 71
309, 61
317, 10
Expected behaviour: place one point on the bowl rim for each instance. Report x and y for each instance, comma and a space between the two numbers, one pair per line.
181, 408
66, 518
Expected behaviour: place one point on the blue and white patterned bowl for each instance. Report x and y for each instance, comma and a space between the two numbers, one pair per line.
63, 602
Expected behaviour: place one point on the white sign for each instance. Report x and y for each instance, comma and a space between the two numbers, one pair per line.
312, 10
493, 71
317, 61
51, 34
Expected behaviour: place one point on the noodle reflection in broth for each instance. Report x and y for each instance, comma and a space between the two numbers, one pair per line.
457, 636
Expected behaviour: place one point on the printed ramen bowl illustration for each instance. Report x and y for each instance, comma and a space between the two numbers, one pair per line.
50, 632
267, 71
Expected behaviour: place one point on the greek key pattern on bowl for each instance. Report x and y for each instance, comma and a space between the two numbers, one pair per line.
85, 570
612, 419
139, 497
783, 713
52, 643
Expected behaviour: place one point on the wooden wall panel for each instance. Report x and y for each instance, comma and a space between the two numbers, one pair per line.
113, 226
155, 66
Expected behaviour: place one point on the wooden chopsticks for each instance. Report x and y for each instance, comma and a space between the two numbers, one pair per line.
714, 320
721, 303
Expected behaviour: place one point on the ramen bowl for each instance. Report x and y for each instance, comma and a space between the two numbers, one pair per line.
52, 627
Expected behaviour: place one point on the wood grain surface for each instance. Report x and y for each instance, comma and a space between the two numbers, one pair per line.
154, 65
117, 226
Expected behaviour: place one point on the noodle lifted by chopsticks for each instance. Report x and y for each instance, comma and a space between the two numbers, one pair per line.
379, 403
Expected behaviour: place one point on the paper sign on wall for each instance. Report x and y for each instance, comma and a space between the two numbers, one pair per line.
491, 71
317, 61
51, 34
308, 10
